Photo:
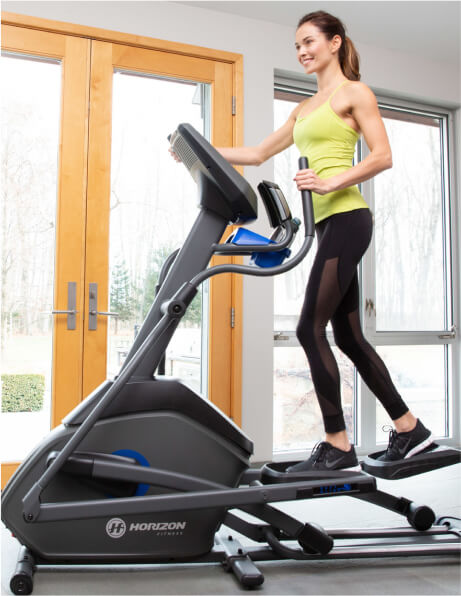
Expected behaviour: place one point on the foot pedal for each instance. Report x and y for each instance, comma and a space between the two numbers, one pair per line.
275, 473
432, 458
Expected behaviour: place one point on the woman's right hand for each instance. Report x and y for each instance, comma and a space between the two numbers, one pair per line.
174, 155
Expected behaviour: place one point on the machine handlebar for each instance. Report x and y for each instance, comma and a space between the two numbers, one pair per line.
308, 208
309, 231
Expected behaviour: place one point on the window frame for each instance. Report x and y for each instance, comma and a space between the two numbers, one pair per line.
365, 410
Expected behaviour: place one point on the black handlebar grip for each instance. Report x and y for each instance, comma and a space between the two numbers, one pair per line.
303, 163
308, 208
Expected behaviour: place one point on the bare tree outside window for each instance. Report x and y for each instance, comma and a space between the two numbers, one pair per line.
408, 229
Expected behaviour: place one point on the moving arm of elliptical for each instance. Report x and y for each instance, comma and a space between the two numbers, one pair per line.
210, 495
199, 493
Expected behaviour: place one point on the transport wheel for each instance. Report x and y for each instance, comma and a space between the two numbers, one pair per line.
421, 518
314, 540
21, 584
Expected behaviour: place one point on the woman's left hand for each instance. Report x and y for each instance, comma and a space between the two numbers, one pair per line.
308, 180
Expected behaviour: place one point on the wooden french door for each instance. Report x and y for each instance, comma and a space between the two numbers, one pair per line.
65, 354
135, 211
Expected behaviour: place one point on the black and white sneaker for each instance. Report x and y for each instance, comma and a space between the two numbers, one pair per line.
404, 445
325, 457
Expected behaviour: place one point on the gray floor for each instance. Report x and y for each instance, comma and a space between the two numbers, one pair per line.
440, 489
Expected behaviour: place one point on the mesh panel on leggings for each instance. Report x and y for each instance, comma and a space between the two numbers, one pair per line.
332, 293
311, 333
350, 339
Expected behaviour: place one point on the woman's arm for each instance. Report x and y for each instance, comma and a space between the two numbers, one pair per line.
271, 145
365, 111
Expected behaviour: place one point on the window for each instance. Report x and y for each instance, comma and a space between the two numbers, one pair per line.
406, 284
409, 297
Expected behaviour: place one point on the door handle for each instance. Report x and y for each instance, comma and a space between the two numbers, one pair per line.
93, 311
71, 311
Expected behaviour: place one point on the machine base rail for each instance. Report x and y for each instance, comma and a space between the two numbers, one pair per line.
240, 559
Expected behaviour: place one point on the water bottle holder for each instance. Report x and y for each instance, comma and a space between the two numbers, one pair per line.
244, 237
270, 259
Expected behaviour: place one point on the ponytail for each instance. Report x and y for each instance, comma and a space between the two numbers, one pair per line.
349, 60
330, 26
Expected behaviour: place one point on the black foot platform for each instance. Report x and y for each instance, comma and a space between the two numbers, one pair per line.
432, 458
275, 473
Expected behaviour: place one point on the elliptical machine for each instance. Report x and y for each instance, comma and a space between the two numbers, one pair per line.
146, 471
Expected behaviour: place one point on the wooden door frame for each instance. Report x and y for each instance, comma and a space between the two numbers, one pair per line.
74, 55
33, 26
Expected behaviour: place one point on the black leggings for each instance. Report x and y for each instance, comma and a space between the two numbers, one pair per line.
332, 293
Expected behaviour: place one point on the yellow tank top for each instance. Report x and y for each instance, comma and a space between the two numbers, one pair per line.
329, 144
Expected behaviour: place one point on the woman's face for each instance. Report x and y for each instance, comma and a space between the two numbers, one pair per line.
314, 50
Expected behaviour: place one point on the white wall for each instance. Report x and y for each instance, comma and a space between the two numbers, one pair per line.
265, 46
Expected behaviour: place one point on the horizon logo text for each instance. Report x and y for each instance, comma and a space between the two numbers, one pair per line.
116, 527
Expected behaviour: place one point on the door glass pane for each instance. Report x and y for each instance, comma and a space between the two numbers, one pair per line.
419, 373
31, 107
153, 206
409, 244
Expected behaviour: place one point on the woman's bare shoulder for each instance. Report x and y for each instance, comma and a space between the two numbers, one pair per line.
358, 91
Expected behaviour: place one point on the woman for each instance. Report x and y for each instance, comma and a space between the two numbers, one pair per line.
326, 128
